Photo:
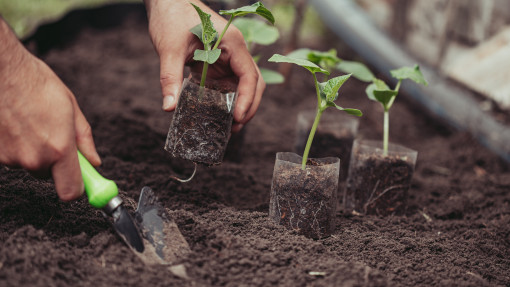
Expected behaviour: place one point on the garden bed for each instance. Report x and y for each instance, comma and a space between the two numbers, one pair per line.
456, 230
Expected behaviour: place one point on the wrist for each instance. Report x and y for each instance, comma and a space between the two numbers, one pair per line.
12, 52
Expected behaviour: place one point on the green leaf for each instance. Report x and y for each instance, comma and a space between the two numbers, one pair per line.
256, 8
357, 69
409, 73
376, 85
329, 89
271, 77
197, 30
354, 112
208, 32
385, 97
299, 54
323, 59
209, 56
256, 31
277, 58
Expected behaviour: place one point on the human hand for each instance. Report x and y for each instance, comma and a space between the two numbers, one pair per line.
169, 25
41, 125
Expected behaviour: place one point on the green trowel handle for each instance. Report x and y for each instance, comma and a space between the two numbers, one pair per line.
99, 189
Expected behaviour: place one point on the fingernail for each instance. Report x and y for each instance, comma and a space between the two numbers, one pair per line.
168, 102
242, 117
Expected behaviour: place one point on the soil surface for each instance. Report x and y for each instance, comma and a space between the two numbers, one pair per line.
456, 231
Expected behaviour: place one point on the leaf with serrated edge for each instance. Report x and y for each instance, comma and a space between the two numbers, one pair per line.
197, 31
331, 87
256, 8
209, 56
208, 31
357, 69
277, 58
409, 73
271, 77
256, 31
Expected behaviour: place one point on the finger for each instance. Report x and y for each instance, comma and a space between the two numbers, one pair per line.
261, 86
84, 139
67, 176
236, 127
243, 66
172, 66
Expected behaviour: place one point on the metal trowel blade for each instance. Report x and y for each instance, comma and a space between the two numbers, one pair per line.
164, 243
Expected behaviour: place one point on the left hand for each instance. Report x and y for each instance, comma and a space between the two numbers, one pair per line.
169, 25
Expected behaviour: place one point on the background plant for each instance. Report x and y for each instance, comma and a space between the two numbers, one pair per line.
327, 94
379, 91
209, 36
256, 32
330, 61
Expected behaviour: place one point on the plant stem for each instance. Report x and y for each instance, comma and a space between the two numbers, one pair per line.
206, 65
223, 32
320, 109
310, 137
204, 74
386, 132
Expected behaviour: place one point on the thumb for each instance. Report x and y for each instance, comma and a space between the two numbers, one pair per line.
171, 70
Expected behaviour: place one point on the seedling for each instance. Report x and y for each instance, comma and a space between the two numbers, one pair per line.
329, 61
327, 93
209, 36
259, 32
380, 92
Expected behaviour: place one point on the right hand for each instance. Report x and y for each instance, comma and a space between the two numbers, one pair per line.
41, 125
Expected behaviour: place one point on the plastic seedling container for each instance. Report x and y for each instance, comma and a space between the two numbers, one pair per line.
378, 184
334, 137
202, 121
305, 200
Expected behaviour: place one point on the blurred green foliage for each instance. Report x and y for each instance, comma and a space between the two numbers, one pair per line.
24, 16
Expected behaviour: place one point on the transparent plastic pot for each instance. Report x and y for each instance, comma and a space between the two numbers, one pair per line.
202, 121
378, 184
305, 200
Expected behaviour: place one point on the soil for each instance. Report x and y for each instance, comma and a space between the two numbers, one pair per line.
305, 200
456, 231
378, 185
201, 125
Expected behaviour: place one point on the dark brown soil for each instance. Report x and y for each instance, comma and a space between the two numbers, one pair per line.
456, 231
378, 185
305, 201
201, 125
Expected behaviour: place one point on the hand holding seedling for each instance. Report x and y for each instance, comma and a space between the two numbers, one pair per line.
327, 94
380, 92
170, 23
41, 125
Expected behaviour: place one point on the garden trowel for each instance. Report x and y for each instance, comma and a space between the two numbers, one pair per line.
151, 234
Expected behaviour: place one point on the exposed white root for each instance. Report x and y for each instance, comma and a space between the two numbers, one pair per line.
185, 180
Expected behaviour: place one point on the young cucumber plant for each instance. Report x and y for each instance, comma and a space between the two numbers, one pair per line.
329, 61
259, 32
209, 36
327, 93
379, 91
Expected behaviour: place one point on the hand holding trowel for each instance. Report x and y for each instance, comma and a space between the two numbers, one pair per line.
151, 234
